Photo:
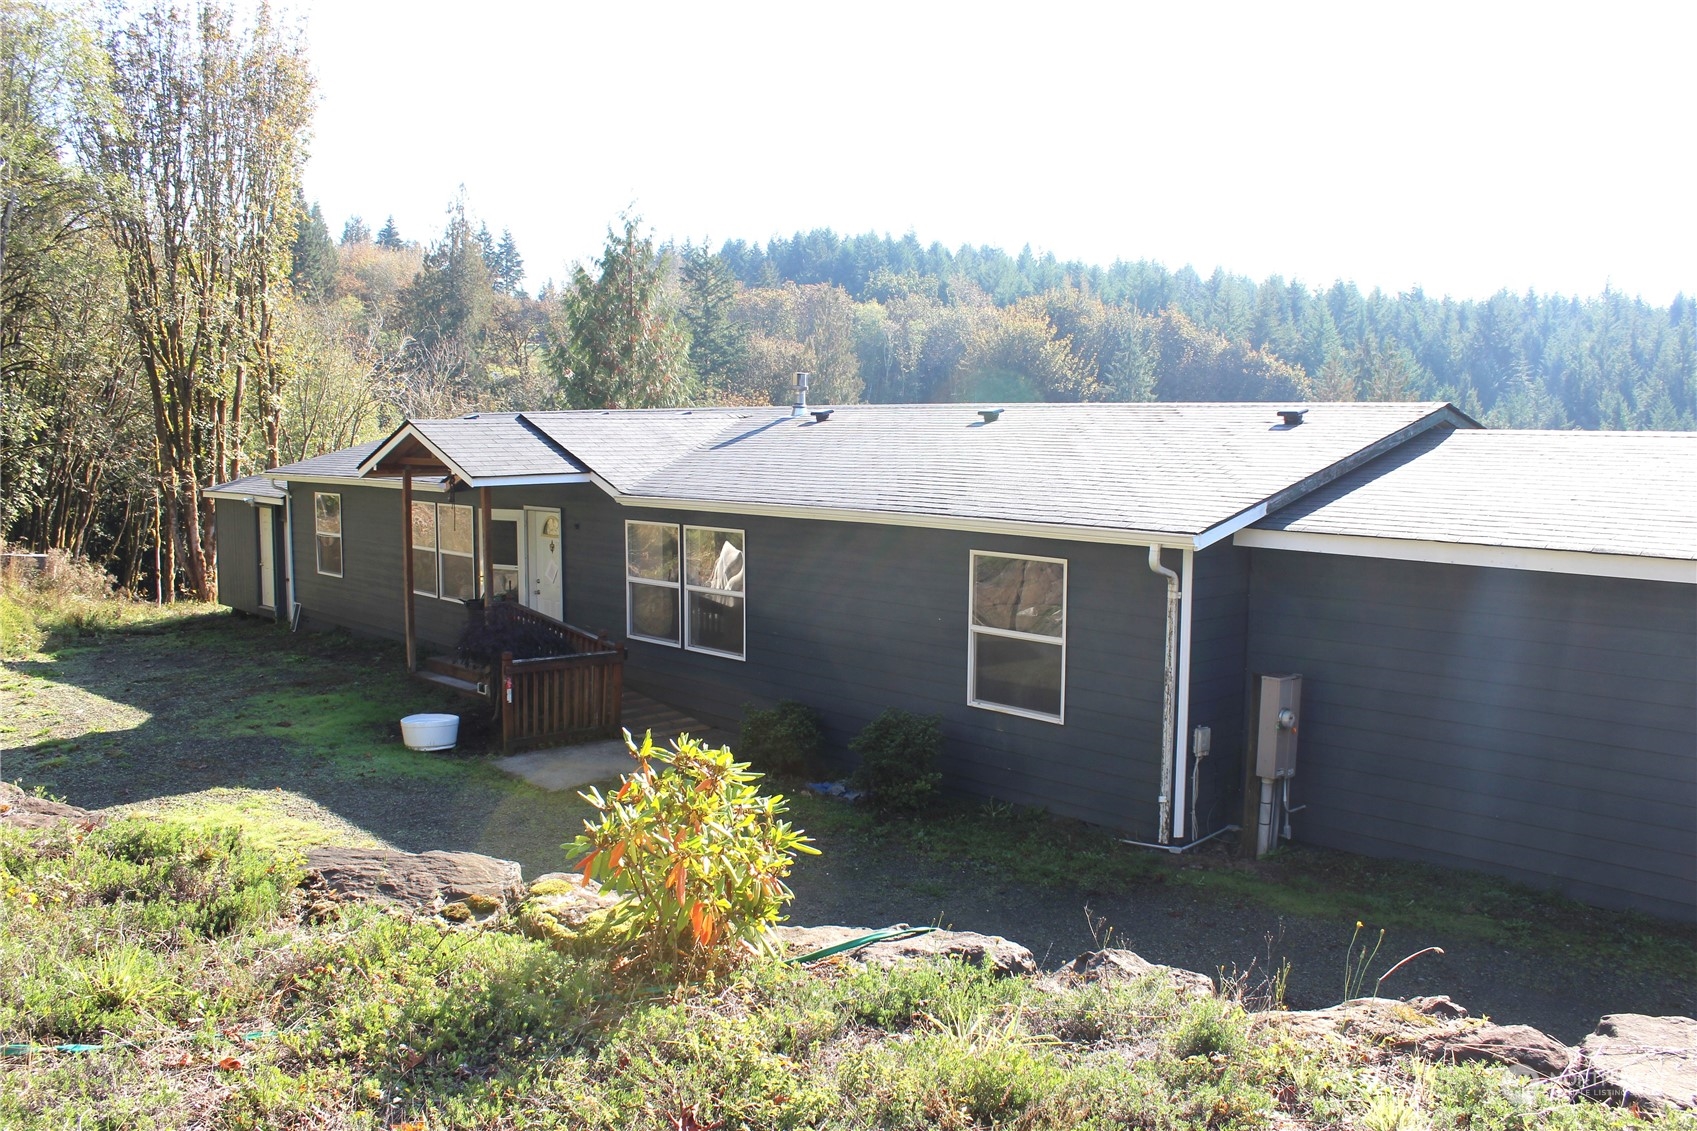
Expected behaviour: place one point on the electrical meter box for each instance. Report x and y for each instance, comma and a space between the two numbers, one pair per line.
1276, 726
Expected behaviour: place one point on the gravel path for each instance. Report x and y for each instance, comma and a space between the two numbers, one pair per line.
136, 722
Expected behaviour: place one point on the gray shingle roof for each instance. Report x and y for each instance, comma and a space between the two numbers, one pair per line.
256, 486
1164, 468
489, 445
1594, 492
343, 464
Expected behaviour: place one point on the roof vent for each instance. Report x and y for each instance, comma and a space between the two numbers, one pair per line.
1292, 416
990, 415
800, 408
821, 415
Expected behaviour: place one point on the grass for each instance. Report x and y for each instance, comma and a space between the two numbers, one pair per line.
183, 949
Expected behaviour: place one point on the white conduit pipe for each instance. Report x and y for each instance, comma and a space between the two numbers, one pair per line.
1169, 696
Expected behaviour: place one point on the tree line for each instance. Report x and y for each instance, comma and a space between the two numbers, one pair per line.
174, 312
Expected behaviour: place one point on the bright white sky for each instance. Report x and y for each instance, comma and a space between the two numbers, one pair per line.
1461, 149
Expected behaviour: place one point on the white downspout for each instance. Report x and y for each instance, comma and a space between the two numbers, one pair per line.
1181, 732
289, 551
1169, 695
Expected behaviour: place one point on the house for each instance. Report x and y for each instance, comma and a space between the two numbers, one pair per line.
1077, 590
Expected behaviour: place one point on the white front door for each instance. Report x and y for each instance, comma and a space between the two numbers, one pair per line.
267, 560
544, 558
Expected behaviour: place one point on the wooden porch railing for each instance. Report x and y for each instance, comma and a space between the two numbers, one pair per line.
561, 698
571, 640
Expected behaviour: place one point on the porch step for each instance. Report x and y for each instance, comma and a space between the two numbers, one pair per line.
641, 714
451, 682
442, 665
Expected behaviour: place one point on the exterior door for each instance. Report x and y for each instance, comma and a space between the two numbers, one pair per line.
267, 559
544, 558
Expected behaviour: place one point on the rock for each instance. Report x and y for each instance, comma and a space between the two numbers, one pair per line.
1438, 1007
473, 886
1649, 1061
1519, 1046
1114, 966
999, 954
20, 810
1375, 1026
561, 906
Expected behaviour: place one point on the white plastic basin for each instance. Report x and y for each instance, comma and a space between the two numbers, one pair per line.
430, 732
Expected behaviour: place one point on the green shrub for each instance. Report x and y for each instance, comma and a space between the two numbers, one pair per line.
784, 740
701, 854
897, 750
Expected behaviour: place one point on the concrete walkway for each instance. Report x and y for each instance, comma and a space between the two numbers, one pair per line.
593, 763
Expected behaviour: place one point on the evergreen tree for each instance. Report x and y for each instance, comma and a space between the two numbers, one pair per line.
619, 342
390, 236
355, 232
509, 266
447, 307
312, 265
718, 344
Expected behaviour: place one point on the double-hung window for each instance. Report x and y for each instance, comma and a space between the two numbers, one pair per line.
327, 532
684, 586
651, 581
444, 562
713, 588
1017, 658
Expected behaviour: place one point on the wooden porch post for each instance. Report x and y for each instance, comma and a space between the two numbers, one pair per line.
485, 522
406, 566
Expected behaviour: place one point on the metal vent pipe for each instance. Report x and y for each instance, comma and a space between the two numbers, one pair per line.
800, 408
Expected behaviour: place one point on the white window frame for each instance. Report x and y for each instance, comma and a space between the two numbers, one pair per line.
738, 594
435, 540
975, 630
675, 586
476, 574
317, 546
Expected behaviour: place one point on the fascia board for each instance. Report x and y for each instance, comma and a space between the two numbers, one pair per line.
528, 480
436, 485
409, 429
1630, 566
244, 497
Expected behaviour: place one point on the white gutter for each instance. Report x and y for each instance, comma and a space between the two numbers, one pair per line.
523, 480
1231, 526
1169, 695
243, 497
1633, 566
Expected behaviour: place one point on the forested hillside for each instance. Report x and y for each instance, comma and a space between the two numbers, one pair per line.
174, 312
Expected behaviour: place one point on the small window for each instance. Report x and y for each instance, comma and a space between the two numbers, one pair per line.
1017, 661
456, 547
424, 549
327, 532
651, 581
713, 582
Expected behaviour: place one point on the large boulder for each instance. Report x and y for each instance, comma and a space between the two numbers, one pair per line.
1118, 966
993, 951
1521, 1047
460, 886
561, 906
1648, 1061
20, 810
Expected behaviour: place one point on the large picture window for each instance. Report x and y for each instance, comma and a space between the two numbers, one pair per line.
1017, 661
713, 585
444, 561
327, 532
651, 581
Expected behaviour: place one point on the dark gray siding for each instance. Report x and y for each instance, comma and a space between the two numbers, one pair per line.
367, 597
1218, 642
1540, 726
853, 618
238, 556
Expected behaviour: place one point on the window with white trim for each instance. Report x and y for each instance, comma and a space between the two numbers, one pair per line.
444, 560
651, 582
327, 532
713, 591
1017, 657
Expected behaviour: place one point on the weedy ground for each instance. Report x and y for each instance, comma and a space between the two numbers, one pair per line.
187, 953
